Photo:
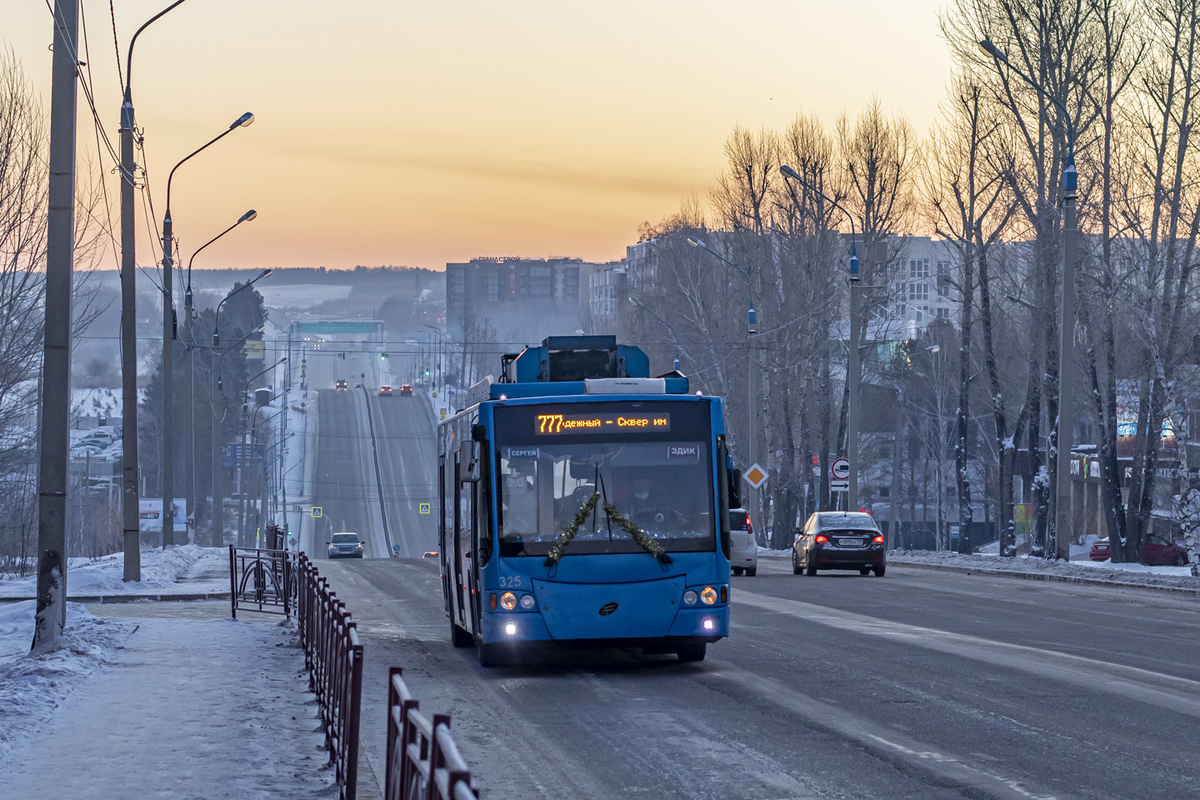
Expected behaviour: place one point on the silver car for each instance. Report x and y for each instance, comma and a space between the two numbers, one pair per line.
345, 545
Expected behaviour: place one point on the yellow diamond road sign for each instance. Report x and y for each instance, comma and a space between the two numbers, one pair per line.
755, 476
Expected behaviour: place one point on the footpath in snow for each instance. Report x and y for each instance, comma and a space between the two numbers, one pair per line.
167, 700
184, 570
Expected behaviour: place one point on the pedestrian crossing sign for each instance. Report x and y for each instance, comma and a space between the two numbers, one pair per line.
317, 511
423, 508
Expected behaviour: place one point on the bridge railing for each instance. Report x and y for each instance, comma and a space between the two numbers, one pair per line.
423, 762
262, 580
333, 656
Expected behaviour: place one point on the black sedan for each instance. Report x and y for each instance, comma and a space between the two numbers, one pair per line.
839, 540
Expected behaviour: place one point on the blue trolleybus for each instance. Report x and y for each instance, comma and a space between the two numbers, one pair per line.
585, 502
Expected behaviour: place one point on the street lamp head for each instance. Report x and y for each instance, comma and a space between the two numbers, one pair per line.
789, 172
934, 348
694, 242
248, 216
990, 49
265, 273
243, 121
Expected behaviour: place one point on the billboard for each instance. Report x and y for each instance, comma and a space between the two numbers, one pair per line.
150, 516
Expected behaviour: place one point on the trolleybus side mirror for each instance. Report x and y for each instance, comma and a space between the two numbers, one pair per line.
735, 488
468, 462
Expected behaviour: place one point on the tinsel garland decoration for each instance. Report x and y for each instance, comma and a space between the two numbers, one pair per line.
648, 544
560, 545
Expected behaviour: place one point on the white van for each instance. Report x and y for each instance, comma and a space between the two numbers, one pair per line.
743, 550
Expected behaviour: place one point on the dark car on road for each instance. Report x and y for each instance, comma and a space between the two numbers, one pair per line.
340, 385
385, 391
839, 540
1156, 552
406, 391
345, 545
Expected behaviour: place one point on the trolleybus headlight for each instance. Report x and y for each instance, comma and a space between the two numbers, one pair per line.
708, 595
511, 629
689, 597
527, 601
508, 601
709, 624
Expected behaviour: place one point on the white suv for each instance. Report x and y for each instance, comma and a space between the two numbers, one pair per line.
743, 550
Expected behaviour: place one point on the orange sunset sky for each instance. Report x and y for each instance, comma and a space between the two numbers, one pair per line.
416, 133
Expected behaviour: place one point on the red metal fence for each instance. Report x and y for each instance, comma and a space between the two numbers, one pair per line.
423, 761
262, 580
334, 659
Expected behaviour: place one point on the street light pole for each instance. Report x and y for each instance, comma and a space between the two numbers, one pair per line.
168, 366
854, 361
129, 415
243, 480
1066, 330
189, 314
218, 511
675, 337
754, 387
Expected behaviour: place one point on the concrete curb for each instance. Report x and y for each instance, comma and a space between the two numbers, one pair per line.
129, 598
1042, 576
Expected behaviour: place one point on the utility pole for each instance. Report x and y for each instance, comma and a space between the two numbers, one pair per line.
855, 378
129, 415
168, 465
54, 436
1063, 529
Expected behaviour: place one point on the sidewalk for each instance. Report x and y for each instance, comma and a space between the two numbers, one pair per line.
179, 708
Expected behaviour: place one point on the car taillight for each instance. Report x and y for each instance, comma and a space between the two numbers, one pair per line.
820, 538
878, 539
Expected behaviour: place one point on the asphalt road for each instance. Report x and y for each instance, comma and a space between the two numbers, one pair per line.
921, 684
345, 483
404, 433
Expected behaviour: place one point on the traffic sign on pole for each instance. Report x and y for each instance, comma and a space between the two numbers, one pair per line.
755, 476
840, 469
836, 485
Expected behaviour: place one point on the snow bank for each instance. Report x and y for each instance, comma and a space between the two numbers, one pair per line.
33, 685
161, 573
1117, 574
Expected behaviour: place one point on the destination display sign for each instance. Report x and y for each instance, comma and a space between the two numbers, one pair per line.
558, 424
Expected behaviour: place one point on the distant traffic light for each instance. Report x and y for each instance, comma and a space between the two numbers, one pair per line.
383, 356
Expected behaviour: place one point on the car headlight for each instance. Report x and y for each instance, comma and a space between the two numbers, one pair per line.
527, 601
708, 595
689, 597
508, 601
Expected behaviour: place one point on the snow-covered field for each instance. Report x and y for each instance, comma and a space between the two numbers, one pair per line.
187, 569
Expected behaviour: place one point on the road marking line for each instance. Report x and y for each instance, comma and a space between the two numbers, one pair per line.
1154, 688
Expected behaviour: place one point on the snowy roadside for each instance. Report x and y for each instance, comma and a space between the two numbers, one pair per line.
184, 570
1172, 578
222, 704
32, 686
1175, 579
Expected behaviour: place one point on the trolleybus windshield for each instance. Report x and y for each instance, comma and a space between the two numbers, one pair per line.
649, 463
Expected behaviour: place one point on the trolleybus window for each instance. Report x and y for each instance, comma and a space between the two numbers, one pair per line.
661, 483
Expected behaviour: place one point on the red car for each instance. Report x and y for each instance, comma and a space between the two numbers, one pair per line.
1157, 552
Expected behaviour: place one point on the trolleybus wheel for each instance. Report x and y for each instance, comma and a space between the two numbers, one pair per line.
490, 655
459, 637
691, 652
